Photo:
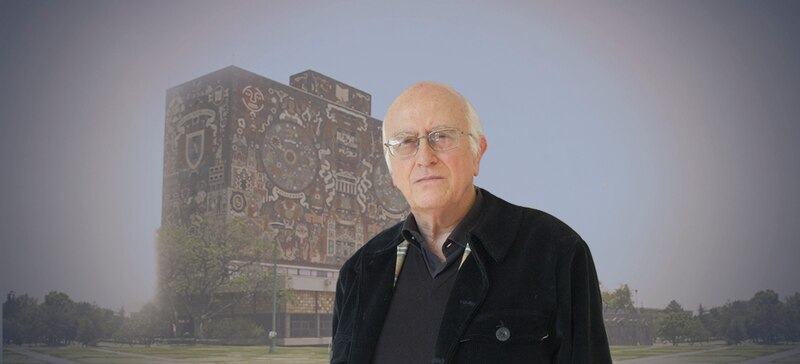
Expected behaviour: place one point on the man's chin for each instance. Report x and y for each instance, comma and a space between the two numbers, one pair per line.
429, 199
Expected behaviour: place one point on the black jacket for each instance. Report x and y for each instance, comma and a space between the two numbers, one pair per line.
527, 293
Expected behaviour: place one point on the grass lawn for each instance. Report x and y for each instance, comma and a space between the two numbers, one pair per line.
184, 354
791, 359
71, 352
177, 354
737, 353
10, 357
634, 352
223, 354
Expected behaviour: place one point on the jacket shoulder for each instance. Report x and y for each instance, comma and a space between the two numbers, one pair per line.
526, 219
386, 239
548, 224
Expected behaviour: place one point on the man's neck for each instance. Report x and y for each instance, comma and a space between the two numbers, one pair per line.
436, 225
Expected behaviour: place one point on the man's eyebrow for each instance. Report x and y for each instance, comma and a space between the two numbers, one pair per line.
440, 127
434, 128
403, 133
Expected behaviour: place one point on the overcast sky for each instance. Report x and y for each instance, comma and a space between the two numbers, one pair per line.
665, 133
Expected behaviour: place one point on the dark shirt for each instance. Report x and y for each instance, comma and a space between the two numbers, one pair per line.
454, 245
412, 324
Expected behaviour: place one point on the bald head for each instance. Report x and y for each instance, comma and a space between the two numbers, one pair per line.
420, 99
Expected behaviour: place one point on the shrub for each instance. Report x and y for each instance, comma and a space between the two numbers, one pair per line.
233, 328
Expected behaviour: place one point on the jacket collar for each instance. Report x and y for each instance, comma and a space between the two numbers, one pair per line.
498, 225
494, 230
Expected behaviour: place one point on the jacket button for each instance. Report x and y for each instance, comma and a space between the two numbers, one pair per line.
503, 333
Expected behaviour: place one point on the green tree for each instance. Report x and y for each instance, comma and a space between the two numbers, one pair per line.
234, 328
791, 328
765, 317
88, 332
735, 331
676, 325
94, 323
673, 326
696, 331
674, 306
143, 327
60, 324
619, 300
729, 320
22, 322
209, 266
704, 317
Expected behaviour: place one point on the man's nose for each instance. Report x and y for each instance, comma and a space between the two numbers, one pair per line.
425, 154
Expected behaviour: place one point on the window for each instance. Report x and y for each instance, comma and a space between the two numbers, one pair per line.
304, 325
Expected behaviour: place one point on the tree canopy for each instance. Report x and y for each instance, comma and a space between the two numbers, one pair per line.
56, 321
619, 300
764, 319
211, 265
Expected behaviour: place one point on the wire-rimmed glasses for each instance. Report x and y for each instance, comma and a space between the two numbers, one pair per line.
440, 140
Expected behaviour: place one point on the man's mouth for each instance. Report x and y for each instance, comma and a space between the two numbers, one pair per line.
428, 178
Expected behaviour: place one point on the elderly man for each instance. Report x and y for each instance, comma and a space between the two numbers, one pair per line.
467, 277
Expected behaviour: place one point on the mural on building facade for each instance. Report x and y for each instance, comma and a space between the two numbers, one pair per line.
238, 144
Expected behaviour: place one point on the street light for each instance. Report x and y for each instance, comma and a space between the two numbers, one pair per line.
273, 333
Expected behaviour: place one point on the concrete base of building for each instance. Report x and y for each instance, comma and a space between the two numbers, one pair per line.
303, 341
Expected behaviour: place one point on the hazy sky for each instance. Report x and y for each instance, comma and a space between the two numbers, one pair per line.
665, 133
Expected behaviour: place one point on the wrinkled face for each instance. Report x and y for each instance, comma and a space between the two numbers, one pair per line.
432, 180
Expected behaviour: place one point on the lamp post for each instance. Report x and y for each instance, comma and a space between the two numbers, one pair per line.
273, 333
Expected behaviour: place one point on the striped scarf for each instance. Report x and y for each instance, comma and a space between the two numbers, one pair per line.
402, 250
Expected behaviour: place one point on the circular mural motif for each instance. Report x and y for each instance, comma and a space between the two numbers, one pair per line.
238, 201
289, 156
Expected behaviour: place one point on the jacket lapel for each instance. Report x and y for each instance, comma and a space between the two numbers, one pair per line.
492, 237
498, 226
375, 295
469, 290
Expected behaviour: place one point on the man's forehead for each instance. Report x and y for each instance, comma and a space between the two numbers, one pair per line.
425, 105
427, 94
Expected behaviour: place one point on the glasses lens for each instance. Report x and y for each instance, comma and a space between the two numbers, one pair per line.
404, 146
444, 139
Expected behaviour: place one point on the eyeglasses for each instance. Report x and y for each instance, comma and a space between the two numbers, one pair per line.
440, 140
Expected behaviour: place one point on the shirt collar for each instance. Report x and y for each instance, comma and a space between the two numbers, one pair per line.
459, 235
461, 232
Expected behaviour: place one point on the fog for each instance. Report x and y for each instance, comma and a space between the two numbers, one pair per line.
664, 133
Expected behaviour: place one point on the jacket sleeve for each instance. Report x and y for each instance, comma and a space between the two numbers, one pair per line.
579, 323
337, 306
340, 333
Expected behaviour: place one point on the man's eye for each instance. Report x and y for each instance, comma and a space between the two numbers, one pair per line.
403, 142
407, 141
440, 136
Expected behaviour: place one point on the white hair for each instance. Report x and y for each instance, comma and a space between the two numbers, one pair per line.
473, 123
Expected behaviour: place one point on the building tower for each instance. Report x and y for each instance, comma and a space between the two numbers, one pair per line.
307, 156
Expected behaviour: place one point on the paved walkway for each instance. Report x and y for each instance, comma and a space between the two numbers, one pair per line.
672, 358
773, 357
38, 356
667, 359
56, 360
150, 358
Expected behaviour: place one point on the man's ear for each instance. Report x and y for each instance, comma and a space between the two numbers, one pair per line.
482, 145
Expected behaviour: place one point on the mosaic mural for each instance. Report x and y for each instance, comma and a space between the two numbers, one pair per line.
238, 144
332, 90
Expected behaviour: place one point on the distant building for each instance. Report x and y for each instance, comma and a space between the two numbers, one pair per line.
634, 327
308, 155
